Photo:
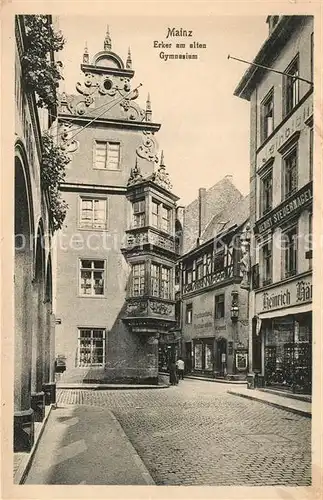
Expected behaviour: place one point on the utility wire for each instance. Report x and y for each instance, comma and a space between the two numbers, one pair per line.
295, 77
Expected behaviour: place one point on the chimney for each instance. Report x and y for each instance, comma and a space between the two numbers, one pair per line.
202, 211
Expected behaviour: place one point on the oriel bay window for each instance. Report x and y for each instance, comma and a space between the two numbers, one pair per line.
92, 273
93, 213
290, 251
91, 347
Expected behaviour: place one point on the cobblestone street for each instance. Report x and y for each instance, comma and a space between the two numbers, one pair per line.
197, 434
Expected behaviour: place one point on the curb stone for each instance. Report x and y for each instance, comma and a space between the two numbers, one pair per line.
143, 469
24, 466
290, 409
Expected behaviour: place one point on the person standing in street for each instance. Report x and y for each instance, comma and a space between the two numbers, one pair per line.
180, 368
173, 379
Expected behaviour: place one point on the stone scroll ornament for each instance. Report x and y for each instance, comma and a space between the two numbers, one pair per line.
114, 87
147, 150
136, 307
161, 308
67, 143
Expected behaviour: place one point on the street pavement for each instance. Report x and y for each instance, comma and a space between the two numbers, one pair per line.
198, 434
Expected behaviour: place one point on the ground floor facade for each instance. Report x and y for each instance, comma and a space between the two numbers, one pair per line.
213, 343
282, 336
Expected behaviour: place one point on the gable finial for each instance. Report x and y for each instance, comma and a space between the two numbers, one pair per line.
162, 164
107, 40
148, 109
86, 57
129, 60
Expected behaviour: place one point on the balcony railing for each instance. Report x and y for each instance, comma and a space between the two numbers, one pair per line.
144, 236
210, 279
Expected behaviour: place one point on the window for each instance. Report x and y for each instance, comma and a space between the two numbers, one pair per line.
267, 262
138, 279
218, 263
165, 219
139, 213
189, 274
309, 253
291, 86
107, 155
160, 281
312, 57
161, 216
266, 193
311, 153
267, 116
290, 251
189, 313
199, 270
290, 173
219, 306
93, 213
91, 347
92, 277
154, 214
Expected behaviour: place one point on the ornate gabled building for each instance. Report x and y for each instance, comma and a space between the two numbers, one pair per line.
115, 293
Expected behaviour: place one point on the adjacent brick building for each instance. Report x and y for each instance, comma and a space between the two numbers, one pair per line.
281, 200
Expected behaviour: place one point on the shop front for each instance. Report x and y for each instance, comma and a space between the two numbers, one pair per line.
203, 357
282, 339
169, 349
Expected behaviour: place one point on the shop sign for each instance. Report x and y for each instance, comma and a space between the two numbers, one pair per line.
201, 320
286, 209
293, 293
295, 123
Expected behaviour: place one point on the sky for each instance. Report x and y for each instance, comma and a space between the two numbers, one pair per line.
204, 128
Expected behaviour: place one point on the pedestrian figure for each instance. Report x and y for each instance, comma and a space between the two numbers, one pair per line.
180, 368
172, 373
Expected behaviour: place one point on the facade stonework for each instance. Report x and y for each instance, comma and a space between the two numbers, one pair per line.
281, 147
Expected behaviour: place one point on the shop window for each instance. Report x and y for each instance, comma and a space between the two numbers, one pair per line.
189, 314
139, 213
91, 347
160, 281
138, 279
266, 193
267, 258
290, 173
198, 356
219, 306
290, 251
291, 86
267, 116
92, 274
106, 155
93, 213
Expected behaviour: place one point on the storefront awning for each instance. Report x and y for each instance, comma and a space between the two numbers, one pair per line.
286, 312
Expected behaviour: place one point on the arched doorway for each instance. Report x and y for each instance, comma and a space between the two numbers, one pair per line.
23, 414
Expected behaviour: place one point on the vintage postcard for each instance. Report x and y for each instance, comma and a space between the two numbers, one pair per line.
161, 258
